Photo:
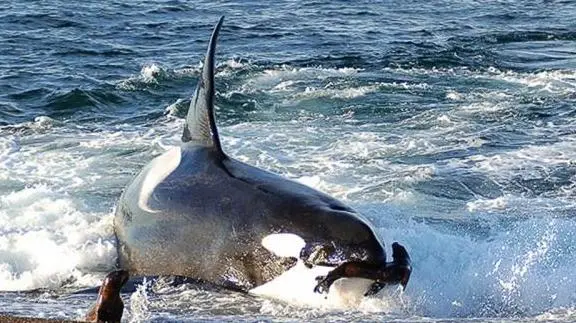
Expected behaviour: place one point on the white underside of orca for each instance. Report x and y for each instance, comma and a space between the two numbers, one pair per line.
296, 285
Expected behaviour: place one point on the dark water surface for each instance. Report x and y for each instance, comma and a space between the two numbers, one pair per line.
450, 124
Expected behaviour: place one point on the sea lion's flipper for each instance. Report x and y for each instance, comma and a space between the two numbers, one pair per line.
200, 126
374, 288
396, 272
401, 266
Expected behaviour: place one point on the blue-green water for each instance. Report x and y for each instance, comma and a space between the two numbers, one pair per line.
450, 124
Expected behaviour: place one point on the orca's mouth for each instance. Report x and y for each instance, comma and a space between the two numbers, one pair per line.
331, 255
357, 263
348, 261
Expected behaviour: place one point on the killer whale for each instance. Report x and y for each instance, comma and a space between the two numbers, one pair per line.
196, 212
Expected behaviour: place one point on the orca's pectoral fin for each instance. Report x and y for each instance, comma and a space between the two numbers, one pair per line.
396, 272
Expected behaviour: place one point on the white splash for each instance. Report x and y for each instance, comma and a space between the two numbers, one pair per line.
46, 239
174, 108
139, 304
150, 73
278, 77
338, 93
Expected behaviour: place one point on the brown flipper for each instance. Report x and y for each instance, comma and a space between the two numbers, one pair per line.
396, 272
109, 305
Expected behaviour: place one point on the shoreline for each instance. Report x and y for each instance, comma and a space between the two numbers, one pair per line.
24, 319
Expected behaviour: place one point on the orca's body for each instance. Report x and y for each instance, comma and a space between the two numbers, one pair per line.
196, 212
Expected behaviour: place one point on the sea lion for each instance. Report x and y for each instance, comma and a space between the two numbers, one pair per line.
109, 305
196, 212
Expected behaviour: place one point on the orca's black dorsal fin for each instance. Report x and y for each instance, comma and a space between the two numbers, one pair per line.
200, 126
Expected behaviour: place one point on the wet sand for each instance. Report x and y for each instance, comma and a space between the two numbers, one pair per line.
19, 319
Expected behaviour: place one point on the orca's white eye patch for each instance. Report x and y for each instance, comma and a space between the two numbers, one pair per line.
284, 244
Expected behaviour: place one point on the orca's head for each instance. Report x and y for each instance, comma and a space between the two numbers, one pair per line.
338, 237
320, 248
329, 234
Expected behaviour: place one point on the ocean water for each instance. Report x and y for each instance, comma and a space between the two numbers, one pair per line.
450, 124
